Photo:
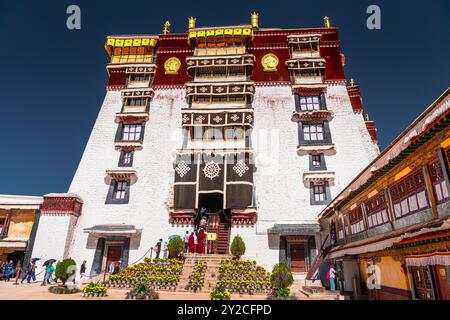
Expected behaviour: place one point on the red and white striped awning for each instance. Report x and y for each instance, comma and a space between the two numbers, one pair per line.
429, 259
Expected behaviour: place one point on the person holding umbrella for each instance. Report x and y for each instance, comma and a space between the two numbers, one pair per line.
49, 269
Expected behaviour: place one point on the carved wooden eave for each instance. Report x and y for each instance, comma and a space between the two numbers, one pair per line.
222, 118
207, 89
309, 88
303, 38
138, 93
220, 61
313, 115
132, 117
318, 177
244, 217
327, 149
181, 217
139, 68
121, 175
128, 145
306, 63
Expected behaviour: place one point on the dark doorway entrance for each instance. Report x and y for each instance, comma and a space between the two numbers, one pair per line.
212, 202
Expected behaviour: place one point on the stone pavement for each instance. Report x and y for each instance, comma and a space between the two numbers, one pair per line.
34, 291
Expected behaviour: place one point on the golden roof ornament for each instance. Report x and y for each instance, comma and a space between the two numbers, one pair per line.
327, 22
352, 82
191, 22
367, 117
166, 29
255, 20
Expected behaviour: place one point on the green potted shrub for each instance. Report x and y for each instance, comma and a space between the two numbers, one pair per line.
281, 279
175, 247
65, 269
237, 247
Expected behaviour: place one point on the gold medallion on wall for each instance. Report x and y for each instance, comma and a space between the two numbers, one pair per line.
172, 65
270, 62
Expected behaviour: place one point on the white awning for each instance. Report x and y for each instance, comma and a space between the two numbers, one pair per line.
11, 243
113, 229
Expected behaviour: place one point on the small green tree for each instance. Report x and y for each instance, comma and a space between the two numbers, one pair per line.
175, 247
65, 269
237, 247
281, 279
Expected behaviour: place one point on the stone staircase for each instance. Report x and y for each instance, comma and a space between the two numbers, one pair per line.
212, 270
313, 290
223, 238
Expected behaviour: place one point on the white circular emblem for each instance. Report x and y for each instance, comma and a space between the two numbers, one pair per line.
211, 170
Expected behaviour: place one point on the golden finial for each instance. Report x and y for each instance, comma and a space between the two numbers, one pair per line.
191, 23
327, 22
166, 29
352, 82
367, 117
255, 20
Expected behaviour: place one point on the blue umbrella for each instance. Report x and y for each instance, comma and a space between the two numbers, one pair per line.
174, 236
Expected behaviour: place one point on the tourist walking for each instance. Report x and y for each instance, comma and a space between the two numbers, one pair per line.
191, 242
32, 272
111, 267
83, 268
158, 248
48, 277
186, 241
8, 270
18, 271
331, 275
25, 272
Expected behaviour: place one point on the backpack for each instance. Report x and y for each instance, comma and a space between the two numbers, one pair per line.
328, 275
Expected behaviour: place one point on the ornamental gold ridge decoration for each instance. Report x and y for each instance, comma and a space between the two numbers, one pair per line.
172, 65
270, 62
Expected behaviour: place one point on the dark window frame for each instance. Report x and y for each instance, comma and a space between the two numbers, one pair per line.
110, 199
122, 158
321, 167
327, 194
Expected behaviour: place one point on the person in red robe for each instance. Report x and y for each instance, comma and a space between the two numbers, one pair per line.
191, 242
201, 241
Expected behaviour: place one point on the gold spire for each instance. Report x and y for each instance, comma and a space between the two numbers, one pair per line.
166, 29
255, 19
352, 82
327, 22
367, 117
191, 23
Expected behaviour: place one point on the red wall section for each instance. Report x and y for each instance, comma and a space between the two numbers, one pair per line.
372, 128
172, 45
355, 98
117, 77
275, 41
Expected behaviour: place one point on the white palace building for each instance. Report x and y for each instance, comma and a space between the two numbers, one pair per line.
257, 126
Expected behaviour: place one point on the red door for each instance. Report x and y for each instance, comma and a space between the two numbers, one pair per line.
442, 276
297, 257
114, 254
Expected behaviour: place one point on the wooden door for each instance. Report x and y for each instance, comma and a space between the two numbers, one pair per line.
442, 276
114, 254
297, 252
423, 285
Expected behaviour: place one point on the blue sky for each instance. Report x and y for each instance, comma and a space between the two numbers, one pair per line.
53, 79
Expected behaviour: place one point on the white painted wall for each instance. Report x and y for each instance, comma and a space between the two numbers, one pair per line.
51, 238
281, 196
